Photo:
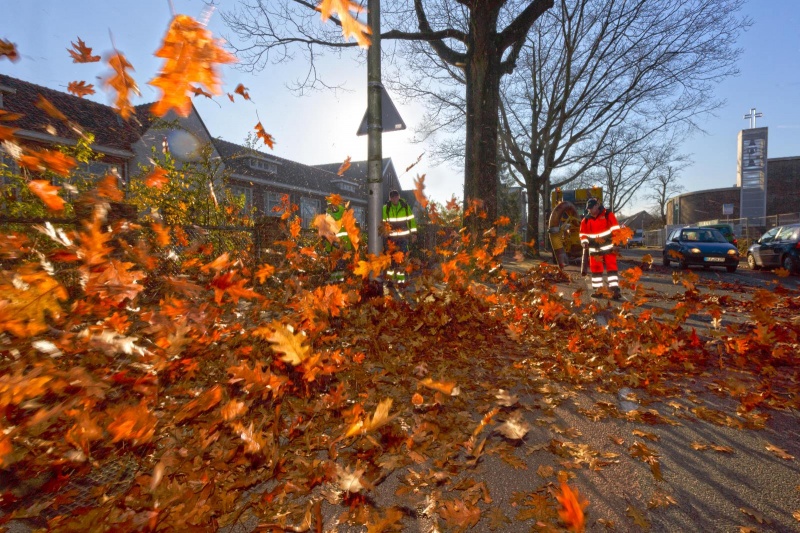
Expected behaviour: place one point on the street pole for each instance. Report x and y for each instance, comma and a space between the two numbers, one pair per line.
374, 131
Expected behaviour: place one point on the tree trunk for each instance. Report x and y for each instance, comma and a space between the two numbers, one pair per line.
483, 99
533, 215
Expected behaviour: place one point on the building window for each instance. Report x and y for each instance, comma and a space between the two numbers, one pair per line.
309, 208
273, 206
347, 187
239, 191
268, 166
360, 214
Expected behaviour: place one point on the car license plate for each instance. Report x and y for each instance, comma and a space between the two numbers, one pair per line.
714, 259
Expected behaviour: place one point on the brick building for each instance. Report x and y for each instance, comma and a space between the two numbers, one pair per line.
783, 196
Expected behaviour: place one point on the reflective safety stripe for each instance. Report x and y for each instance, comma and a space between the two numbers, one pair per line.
399, 219
342, 234
399, 233
605, 233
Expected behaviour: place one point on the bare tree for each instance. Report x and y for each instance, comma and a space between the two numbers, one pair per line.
591, 67
664, 186
478, 40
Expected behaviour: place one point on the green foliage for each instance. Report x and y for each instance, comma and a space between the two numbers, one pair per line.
195, 192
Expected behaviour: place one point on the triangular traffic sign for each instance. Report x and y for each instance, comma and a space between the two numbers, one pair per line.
390, 117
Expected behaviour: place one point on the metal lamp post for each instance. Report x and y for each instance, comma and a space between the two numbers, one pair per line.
374, 131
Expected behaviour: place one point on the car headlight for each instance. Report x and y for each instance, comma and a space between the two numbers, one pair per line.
733, 252
695, 250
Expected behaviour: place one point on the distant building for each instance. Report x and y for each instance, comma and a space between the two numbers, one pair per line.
768, 187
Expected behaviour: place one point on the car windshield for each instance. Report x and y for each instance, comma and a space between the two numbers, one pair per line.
702, 235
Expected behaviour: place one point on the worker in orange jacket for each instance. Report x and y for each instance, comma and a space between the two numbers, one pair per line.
596, 229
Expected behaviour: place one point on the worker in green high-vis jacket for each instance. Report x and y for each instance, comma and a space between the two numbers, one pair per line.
401, 227
342, 242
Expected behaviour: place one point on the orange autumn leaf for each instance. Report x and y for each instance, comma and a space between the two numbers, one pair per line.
264, 136
621, 236
419, 191
201, 404
122, 83
286, 342
6, 133
108, 187
446, 387
5, 450
327, 227
82, 53
163, 237
42, 160
134, 423
417, 399
242, 90
80, 88
9, 50
572, 506
157, 178
460, 515
373, 266
45, 105
335, 199
26, 304
378, 419
264, 271
343, 168
350, 225
200, 92
192, 58
351, 26
47, 193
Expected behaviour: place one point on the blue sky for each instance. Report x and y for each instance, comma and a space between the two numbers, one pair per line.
320, 127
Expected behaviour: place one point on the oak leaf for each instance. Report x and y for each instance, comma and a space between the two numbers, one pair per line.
122, 83
783, 454
192, 56
286, 342
264, 136
157, 178
327, 227
387, 522
351, 26
9, 50
515, 427
378, 419
242, 90
47, 106
202, 403
572, 506
459, 514
47, 193
82, 53
26, 302
42, 160
447, 387
80, 88
343, 168
134, 423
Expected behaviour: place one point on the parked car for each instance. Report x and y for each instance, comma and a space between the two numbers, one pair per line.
727, 232
700, 246
779, 247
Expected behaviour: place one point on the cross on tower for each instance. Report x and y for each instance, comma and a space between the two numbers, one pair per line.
752, 115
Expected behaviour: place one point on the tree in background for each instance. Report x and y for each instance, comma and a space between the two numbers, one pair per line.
628, 168
478, 41
664, 186
589, 68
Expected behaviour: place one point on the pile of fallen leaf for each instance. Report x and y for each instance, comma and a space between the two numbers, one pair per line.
255, 393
